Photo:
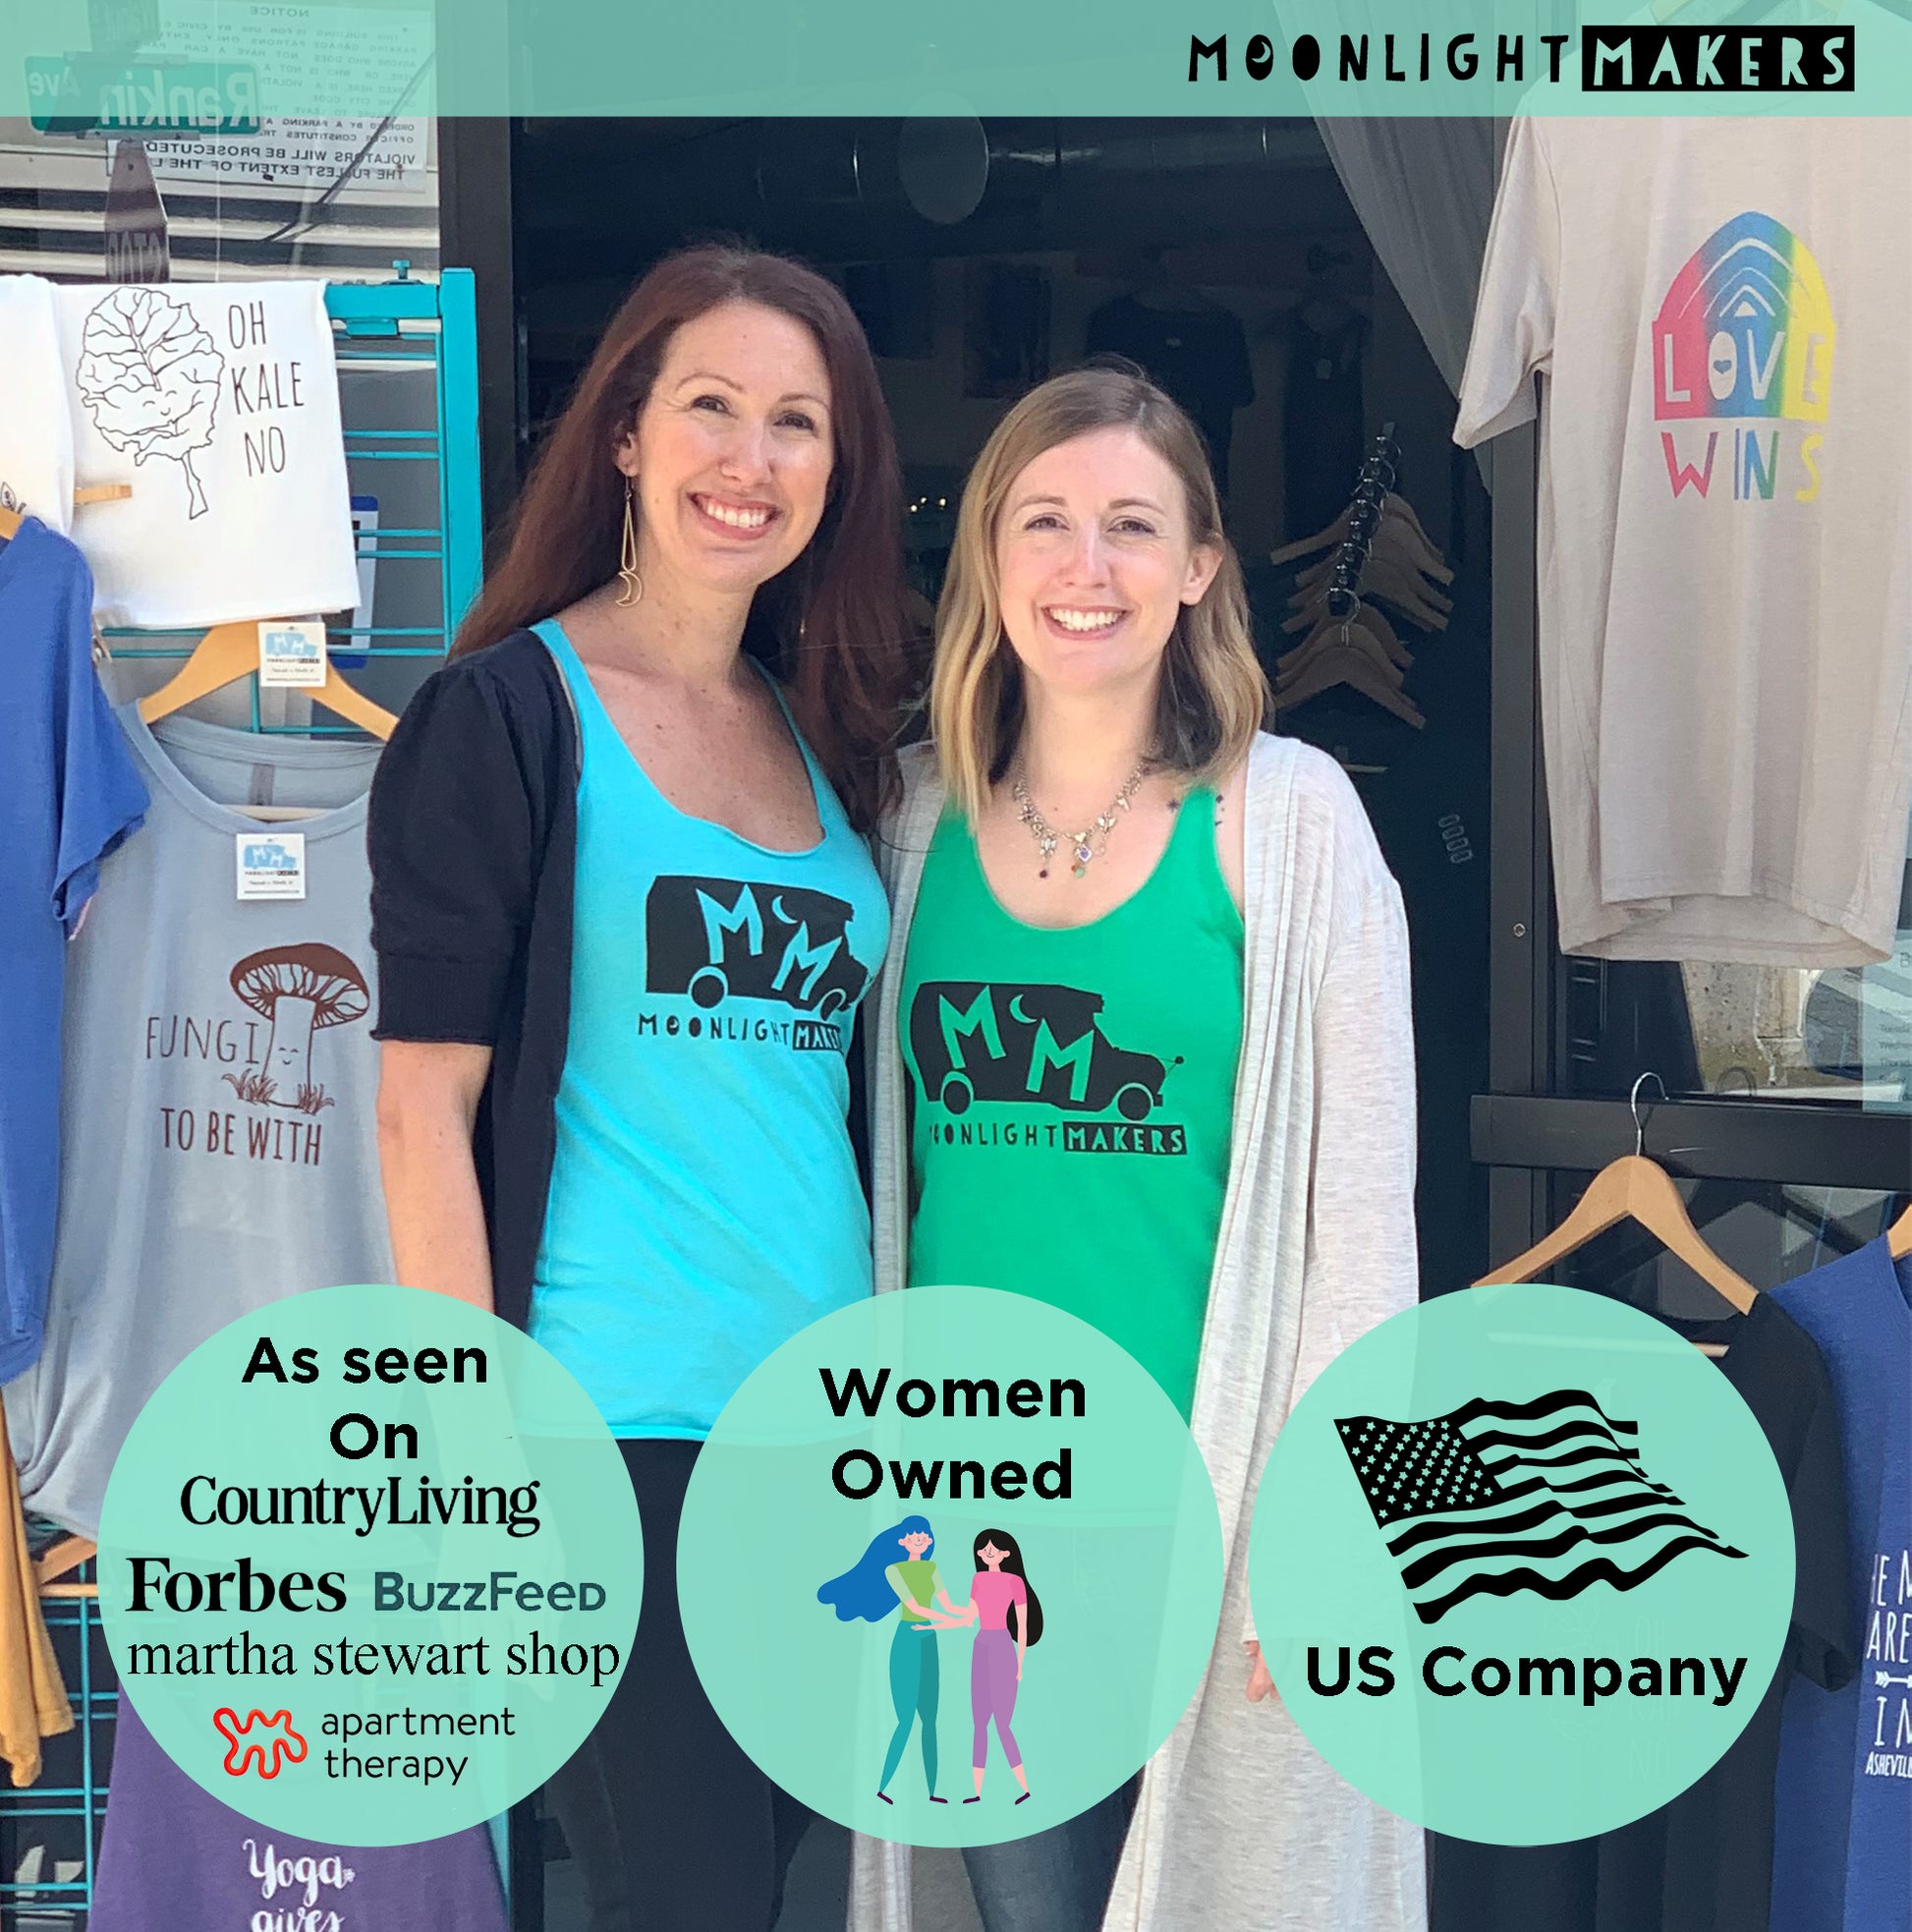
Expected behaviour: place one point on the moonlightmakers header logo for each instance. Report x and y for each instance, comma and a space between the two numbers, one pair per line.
1650, 60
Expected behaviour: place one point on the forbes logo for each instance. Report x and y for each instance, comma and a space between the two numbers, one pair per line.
715, 938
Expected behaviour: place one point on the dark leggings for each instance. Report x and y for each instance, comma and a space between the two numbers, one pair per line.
672, 1825
1053, 1881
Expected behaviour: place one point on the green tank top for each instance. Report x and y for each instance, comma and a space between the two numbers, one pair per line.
1072, 1092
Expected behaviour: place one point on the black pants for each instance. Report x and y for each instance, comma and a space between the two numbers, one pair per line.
673, 1826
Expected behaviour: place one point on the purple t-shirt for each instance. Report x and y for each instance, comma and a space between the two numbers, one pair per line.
70, 795
1842, 1858
173, 1856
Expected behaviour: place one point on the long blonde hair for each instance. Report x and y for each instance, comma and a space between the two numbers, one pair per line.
1213, 696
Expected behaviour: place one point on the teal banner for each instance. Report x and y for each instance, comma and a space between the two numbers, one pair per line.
1260, 58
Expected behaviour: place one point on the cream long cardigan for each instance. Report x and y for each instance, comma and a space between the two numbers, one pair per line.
1240, 1826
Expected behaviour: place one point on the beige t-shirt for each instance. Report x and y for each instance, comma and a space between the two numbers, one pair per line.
1721, 308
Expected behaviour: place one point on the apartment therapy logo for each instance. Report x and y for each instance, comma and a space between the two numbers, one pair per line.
1651, 60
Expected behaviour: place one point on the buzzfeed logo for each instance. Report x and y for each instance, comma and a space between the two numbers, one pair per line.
245, 1754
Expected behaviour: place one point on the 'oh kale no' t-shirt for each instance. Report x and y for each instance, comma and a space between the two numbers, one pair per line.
1072, 1092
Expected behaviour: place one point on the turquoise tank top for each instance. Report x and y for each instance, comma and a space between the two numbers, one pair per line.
705, 1202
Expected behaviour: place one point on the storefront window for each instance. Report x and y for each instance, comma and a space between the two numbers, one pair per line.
1768, 1032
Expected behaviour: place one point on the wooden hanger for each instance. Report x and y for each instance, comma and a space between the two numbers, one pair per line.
1388, 576
61, 1559
11, 520
1315, 613
1399, 527
230, 651
1327, 634
1349, 657
1898, 1237
1639, 1189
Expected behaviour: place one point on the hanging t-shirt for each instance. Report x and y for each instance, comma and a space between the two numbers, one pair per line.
35, 430
1843, 1862
1726, 596
171, 1856
1073, 1091
218, 1146
69, 796
1198, 356
219, 404
705, 1202
1703, 1863
1322, 422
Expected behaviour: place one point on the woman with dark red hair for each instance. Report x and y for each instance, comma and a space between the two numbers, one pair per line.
625, 915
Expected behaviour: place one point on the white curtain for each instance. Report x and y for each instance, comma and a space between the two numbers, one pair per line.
1424, 190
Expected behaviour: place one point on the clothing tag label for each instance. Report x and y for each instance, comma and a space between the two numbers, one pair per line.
270, 865
292, 655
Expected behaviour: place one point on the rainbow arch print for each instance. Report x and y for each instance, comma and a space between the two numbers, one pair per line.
1746, 330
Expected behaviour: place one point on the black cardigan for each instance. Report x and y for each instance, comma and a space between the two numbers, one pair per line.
472, 835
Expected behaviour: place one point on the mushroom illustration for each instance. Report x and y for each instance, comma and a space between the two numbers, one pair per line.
299, 989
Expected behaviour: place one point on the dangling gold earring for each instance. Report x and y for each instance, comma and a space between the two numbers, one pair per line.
627, 556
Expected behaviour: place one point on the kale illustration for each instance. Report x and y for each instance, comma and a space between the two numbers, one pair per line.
149, 377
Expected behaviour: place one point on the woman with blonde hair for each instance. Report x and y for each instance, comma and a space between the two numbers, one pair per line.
1143, 1049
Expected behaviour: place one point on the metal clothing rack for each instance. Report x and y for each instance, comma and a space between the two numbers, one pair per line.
49, 1830
408, 390
1379, 475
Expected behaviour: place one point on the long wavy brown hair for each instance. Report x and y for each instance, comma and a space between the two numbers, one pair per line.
835, 624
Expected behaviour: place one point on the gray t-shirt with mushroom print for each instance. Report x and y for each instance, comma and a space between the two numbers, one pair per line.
218, 1075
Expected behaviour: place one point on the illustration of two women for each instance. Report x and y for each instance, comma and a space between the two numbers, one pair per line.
1007, 1616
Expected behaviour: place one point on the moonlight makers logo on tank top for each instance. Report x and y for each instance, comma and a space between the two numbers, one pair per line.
1746, 331
1042, 1048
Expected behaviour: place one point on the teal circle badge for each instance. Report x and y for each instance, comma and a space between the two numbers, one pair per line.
951, 1565
369, 1566
1522, 1564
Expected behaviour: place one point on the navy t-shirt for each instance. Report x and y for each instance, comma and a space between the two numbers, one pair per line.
1843, 1858
71, 795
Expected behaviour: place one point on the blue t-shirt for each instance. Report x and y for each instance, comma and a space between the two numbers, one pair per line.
1842, 1858
704, 1203
70, 794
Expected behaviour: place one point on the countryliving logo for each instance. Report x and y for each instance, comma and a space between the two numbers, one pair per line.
1648, 60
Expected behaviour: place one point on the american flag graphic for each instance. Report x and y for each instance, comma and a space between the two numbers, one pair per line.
1494, 1498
